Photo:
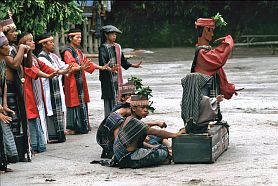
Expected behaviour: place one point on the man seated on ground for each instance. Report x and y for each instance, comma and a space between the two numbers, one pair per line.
105, 132
105, 136
129, 147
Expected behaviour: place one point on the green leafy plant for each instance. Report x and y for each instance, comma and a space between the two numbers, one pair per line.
142, 90
39, 16
136, 81
145, 91
219, 21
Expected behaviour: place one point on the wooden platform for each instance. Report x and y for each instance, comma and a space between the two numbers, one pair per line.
201, 148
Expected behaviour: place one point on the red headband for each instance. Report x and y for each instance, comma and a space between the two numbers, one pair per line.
74, 33
45, 40
208, 22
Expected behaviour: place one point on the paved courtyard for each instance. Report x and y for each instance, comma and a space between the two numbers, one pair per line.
252, 157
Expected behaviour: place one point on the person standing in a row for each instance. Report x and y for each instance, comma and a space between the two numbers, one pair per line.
75, 84
110, 53
35, 103
4, 119
17, 132
53, 89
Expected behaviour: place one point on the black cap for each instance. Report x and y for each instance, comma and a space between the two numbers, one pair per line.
110, 28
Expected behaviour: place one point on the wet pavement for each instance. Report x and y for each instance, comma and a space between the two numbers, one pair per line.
253, 116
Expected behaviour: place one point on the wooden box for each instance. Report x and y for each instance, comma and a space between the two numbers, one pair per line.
201, 148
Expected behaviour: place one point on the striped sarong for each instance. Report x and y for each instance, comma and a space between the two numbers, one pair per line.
10, 146
37, 135
191, 98
19, 124
105, 132
81, 111
193, 89
110, 48
3, 160
134, 130
8, 138
56, 103
16, 102
75, 120
38, 94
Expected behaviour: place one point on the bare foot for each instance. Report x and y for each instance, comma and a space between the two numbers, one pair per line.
170, 151
34, 152
70, 132
90, 128
167, 161
51, 141
5, 171
9, 170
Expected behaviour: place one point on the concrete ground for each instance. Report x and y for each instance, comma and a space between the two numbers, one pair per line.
250, 160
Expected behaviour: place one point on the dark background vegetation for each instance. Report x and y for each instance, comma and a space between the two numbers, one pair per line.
171, 23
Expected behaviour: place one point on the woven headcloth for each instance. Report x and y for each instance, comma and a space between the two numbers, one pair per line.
138, 100
127, 88
7, 24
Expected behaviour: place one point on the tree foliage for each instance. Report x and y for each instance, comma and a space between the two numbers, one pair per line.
38, 16
171, 23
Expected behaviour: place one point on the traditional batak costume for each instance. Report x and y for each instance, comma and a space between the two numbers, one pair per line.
127, 89
76, 90
135, 131
206, 81
197, 109
16, 100
35, 104
111, 81
105, 132
211, 61
3, 158
54, 94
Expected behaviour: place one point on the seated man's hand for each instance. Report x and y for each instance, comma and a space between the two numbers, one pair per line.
147, 139
182, 131
161, 124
